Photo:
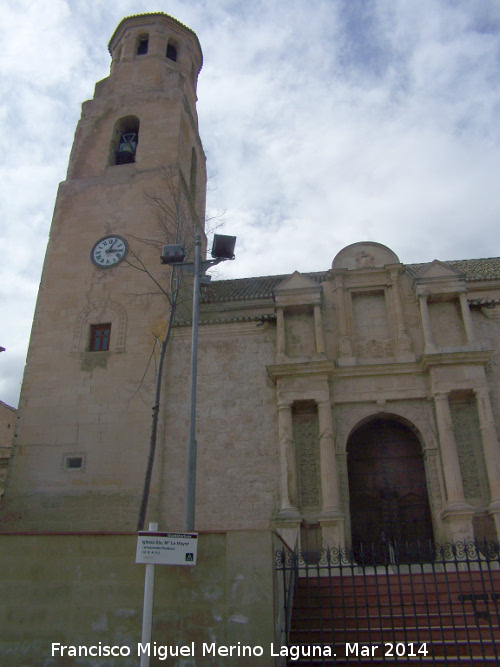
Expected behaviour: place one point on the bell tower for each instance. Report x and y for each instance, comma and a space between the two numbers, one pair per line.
144, 113
136, 172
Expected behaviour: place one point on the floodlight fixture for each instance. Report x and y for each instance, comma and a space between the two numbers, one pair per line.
173, 254
223, 246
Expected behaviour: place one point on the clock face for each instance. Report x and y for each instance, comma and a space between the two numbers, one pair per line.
109, 251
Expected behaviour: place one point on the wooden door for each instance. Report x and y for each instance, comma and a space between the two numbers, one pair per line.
389, 502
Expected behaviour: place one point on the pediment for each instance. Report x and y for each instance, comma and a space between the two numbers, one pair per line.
297, 281
437, 269
297, 289
364, 255
439, 278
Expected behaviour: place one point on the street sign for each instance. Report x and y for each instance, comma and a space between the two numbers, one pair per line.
166, 548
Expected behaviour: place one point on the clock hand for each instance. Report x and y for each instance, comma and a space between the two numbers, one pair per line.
112, 246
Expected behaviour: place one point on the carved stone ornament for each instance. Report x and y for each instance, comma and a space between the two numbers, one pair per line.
305, 430
343, 482
468, 439
404, 343
433, 481
79, 332
374, 349
345, 347
365, 260
364, 255
413, 320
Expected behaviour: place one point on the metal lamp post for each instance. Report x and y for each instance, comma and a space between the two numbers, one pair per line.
222, 250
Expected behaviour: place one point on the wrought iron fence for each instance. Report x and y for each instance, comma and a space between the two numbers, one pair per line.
392, 603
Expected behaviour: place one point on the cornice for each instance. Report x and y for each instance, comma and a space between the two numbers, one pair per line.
386, 368
231, 329
462, 357
300, 369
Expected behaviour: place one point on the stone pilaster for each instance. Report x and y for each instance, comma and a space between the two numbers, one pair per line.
288, 476
457, 514
426, 324
318, 329
280, 333
329, 478
345, 344
491, 451
403, 341
331, 517
467, 317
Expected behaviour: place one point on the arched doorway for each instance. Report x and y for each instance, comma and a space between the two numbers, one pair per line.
389, 503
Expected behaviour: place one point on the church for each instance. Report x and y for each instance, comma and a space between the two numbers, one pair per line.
342, 409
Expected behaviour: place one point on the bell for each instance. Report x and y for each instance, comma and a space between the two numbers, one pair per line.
127, 148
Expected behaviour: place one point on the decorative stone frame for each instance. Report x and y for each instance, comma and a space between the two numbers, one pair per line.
418, 417
291, 390
385, 280
299, 291
118, 322
439, 281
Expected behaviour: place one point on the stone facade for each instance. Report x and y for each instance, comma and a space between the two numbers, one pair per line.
301, 362
289, 366
295, 372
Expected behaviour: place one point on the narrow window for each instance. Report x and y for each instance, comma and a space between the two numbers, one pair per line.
192, 177
142, 45
171, 52
99, 337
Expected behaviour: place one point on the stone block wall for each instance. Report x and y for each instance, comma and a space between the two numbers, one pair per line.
86, 590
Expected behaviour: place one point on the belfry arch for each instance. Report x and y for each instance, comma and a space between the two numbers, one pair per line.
388, 495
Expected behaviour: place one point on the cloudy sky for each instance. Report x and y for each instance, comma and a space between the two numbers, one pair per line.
326, 122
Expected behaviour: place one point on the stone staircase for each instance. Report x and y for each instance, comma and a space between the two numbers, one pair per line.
429, 618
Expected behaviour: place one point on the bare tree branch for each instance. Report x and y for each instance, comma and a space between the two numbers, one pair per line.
177, 222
